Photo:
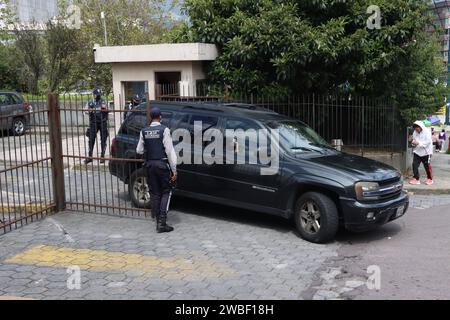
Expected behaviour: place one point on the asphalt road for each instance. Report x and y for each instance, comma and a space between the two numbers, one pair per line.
411, 255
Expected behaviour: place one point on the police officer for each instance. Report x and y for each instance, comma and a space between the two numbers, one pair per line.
97, 109
161, 162
136, 101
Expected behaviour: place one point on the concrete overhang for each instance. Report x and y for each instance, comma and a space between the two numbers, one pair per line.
156, 53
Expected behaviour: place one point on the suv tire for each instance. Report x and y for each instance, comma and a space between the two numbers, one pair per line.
18, 126
138, 189
316, 217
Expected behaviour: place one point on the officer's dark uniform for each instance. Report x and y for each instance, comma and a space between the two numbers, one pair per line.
98, 121
133, 104
158, 174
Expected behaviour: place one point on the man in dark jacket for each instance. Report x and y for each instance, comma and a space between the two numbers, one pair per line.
98, 110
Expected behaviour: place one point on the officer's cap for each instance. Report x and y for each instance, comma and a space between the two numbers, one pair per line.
155, 113
97, 92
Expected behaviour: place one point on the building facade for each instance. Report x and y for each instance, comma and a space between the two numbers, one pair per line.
441, 13
39, 11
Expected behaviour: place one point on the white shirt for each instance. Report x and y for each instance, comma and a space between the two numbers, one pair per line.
425, 146
168, 146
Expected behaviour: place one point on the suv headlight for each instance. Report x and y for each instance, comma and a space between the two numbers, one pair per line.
364, 189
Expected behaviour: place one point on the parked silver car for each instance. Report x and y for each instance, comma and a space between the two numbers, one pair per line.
14, 112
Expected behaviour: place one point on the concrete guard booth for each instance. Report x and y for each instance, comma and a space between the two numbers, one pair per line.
161, 69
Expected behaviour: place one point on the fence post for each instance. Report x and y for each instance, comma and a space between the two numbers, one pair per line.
148, 110
54, 123
363, 116
394, 116
315, 127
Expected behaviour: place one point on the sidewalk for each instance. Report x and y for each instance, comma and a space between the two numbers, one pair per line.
440, 164
214, 253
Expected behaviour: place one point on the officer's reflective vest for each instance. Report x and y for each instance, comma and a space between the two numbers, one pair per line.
154, 146
98, 114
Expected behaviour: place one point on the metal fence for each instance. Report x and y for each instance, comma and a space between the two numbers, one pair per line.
26, 186
363, 124
44, 170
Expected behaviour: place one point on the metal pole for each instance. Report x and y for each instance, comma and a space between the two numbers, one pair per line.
362, 126
447, 114
102, 16
54, 123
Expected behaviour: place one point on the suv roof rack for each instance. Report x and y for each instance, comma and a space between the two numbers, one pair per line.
203, 108
241, 106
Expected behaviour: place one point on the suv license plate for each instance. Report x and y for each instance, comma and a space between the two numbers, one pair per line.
400, 211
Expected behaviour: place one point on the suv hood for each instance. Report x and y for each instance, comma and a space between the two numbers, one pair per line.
361, 169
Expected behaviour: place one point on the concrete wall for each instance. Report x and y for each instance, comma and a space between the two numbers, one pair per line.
156, 52
402, 161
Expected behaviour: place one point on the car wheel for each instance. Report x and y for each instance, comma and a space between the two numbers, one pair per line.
139, 191
316, 217
18, 127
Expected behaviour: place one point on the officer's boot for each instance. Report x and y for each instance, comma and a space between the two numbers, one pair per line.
102, 160
161, 224
88, 160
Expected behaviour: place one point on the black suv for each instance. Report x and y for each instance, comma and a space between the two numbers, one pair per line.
14, 112
317, 186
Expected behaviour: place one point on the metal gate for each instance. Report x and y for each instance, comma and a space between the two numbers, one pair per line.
26, 185
44, 170
92, 188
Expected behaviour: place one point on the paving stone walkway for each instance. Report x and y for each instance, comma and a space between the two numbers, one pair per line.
207, 257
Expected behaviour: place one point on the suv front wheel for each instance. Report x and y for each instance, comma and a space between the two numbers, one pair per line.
138, 190
316, 217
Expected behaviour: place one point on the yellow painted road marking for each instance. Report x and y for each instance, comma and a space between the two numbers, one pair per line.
100, 260
9, 298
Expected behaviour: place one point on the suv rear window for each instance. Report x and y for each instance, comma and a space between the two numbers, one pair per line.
137, 121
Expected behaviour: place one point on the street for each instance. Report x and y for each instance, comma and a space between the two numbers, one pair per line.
221, 253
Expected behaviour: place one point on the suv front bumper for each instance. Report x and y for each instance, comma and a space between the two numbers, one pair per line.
357, 215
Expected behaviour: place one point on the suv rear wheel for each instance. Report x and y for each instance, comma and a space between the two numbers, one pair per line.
316, 217
18, 127
138, 190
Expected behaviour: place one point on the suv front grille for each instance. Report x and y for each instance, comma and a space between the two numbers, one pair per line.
389, 189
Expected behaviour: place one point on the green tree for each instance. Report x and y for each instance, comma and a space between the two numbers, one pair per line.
32, 54
128, 22
306, 46
62, 46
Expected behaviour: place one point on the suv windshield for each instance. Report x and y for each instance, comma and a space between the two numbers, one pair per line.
296, 137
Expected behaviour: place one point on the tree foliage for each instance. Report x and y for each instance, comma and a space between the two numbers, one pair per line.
62, 46
61, 58
128, 22
32, 55
301, 46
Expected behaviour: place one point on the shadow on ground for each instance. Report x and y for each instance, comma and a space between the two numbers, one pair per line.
261, 220
388, 230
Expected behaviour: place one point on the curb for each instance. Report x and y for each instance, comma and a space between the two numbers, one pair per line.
428, 192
